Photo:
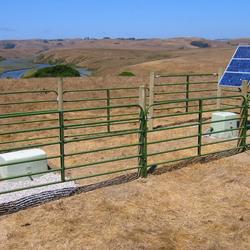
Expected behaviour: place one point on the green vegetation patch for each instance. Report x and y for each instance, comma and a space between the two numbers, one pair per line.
9, 45
56, 71
126, 73
200, 44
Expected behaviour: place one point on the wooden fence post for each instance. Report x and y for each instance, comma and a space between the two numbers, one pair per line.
151, 99
219, 89
60, 94
142, 97
142, 170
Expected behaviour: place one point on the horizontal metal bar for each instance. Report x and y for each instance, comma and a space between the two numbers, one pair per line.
27, 102
188, 74
175, 114
104, 136
90, 90
222, 151
180, 107
29, 130
28, 140
32, 113
226, 104
103, 162
29, 147
218, 142
232, 119
102, 174
200, 83
28, 92
101, 125
172, 150
123, 97
102, 149
85, 100
201, 90
172, 161
222, 131
98, 133
27, 122
170, 93
172, 139
183, 83
221, 109
173, 127
171, 84
98, 117
101, 122
103, 108
196, 99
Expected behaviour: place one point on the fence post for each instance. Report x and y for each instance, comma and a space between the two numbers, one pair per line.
187, 93
142, 171
108, 110
151, 100
200, 127
219, 89
61, 124
243, 117
142, 97
61, 135
60, 94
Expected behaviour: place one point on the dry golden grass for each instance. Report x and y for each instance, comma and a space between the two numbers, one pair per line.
198, 207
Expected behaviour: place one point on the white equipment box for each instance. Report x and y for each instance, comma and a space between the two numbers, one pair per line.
224, 124
38, 165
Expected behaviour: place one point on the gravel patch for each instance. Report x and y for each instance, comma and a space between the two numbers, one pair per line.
44, 179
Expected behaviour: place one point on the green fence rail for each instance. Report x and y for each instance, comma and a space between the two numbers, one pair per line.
148, 146
177, 135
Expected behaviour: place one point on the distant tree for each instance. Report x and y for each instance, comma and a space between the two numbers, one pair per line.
200, 44
56, 71
106, 38
126, 73
9, 45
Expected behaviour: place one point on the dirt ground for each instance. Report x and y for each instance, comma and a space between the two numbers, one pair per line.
204, 206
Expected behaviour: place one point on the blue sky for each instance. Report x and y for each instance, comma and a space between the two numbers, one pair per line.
25, 19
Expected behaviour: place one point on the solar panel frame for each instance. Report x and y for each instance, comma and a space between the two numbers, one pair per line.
227, 71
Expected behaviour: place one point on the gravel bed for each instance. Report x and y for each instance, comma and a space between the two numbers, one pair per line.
44, 179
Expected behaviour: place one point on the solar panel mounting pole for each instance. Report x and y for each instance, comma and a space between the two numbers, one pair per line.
219, 89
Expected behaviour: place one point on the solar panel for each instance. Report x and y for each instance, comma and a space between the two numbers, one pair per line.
238, 68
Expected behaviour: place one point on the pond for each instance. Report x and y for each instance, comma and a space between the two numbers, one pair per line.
16, 68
